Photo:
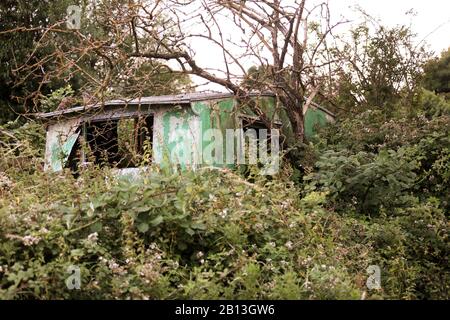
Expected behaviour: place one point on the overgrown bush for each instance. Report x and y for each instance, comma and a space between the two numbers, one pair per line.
393, 170
21, 146
368, 162
364, 181
205, 235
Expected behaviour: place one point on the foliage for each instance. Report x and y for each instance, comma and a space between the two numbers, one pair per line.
364, 181
381, 67
206, 235
437, 74
36, 63
21, 146
35, 15
371, 198
52, 101
370, 161
376, 190
393, 167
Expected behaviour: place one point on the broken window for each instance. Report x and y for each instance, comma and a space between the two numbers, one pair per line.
102, 139
135, 137
256, 138
60, 142
262, 145
121, 143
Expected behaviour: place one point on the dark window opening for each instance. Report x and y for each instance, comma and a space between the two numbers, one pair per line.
254, 129
102, 139
122, 143
256, 144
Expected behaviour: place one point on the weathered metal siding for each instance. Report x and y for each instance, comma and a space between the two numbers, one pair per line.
219, 115
179, 132
179, 129
176, 138
315, 118
60, 139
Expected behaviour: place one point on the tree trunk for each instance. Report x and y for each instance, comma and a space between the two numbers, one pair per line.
295, 114
298, 125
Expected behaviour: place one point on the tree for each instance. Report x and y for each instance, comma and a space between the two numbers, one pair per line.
437, 73
282, 36
41, 54
380, 67
19, 48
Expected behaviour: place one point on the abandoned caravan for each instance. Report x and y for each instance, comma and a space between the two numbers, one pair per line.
186, 130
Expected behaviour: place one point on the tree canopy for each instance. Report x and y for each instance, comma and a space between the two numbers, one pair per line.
437, 73
40, 55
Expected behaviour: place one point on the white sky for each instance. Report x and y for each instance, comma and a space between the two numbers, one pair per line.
430, 15
430, 20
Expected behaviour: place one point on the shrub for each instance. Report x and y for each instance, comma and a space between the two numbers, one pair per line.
202, 236
21, 146
363, 181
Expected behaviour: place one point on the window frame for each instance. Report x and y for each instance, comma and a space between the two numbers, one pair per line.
105, 117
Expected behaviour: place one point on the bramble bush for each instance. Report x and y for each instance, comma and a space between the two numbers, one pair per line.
207, 235
21, 146
369, 162
364, 181
394, 171
190, 235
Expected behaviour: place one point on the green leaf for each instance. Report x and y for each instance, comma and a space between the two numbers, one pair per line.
76, 253
157, 221
143, 227
96, 227
199, 226
142, 209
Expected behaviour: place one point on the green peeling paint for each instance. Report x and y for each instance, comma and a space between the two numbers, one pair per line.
179, 138
314, 118
215, 115
60, 152
184, 129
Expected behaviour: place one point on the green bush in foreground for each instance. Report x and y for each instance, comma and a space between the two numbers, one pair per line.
208, 235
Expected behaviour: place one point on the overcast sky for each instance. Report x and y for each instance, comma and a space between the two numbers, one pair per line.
432, 16
430, 19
